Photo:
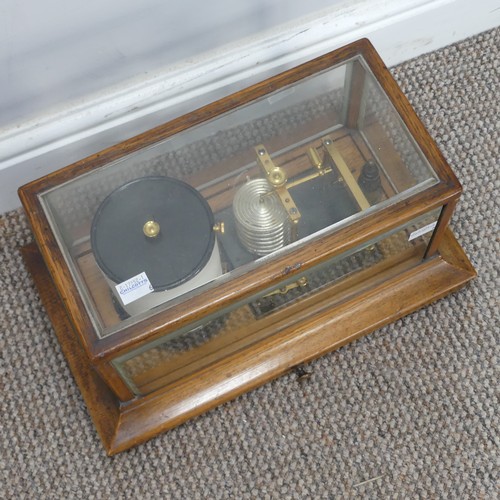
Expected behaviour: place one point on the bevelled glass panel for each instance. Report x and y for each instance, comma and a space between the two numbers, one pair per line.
176, 355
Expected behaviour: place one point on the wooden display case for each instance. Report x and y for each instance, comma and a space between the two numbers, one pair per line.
211, 254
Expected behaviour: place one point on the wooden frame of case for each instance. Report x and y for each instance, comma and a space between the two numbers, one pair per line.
124, 419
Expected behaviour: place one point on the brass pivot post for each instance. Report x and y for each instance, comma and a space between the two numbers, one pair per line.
276, 177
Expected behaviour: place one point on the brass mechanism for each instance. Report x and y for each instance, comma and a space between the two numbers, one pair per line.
345, 173
219, 227
320, 170
302, 281
151, 229
314, 158
277, 178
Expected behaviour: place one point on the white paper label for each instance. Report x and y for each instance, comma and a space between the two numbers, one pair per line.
423, 230
134, 288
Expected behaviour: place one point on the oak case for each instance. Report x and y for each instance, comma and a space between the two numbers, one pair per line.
360, 202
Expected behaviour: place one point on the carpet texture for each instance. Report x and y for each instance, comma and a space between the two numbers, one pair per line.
411, 411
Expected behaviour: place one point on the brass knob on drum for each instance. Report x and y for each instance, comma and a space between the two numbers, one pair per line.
151, 229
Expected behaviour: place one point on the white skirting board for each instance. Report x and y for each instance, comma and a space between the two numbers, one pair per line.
399, 30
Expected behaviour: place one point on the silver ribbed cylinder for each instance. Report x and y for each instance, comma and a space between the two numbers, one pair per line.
262, 222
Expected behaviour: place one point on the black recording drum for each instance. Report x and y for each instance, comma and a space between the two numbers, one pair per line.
153, 238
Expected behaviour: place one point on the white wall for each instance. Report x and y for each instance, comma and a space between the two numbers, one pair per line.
79, 76
56, 51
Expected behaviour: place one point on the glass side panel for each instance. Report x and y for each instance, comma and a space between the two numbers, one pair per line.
389, 143
172, 220
165, 360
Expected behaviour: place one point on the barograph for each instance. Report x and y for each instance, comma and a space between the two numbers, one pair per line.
215, 252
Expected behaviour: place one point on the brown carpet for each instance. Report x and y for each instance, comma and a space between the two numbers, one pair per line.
411, 411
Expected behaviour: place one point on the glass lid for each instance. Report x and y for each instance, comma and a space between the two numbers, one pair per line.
153, 228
